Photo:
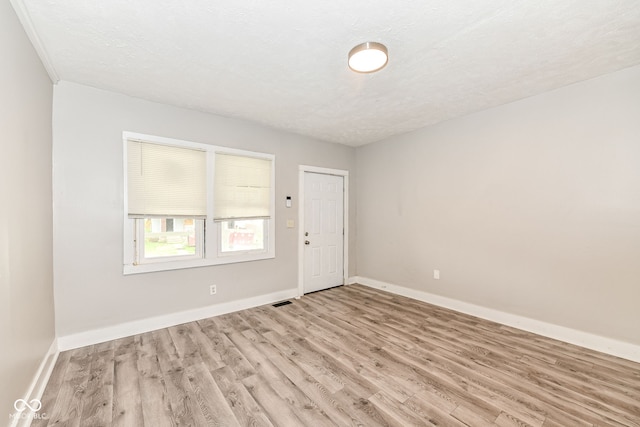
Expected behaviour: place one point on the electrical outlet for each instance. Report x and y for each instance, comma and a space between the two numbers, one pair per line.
436, 274
212, 290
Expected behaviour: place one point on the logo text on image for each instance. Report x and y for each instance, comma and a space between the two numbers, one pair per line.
34, 405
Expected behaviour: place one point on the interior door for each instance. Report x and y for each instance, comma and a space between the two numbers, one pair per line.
323, 231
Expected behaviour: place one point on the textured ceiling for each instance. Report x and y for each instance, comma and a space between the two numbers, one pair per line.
284, 63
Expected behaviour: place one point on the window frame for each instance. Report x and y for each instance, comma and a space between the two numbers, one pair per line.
211, 230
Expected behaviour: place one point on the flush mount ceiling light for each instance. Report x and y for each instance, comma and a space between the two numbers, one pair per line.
368, 57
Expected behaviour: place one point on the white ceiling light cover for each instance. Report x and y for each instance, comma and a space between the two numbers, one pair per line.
368, 57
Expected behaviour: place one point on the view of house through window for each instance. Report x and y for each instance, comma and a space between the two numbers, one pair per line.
243, 235
169, 237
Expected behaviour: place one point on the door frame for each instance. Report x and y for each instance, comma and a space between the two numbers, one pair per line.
302, 169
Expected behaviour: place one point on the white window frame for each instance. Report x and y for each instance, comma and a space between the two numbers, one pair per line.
212, 249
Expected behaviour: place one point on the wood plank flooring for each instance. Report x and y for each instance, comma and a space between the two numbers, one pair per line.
348, 356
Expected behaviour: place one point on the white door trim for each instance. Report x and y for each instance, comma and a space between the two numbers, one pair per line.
302, 169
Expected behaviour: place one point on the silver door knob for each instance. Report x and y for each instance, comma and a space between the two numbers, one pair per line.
306, 242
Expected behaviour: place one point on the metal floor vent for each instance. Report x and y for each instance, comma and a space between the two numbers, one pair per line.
280, 304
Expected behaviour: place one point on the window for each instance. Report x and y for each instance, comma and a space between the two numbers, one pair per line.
168, 238
243, 235
242, 193
190, 205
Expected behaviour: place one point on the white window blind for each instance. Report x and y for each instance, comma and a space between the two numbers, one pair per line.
242, 187
165, 180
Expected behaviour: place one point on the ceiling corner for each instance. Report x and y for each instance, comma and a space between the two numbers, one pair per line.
25, 19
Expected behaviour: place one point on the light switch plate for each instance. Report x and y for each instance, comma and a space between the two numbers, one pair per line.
290, 223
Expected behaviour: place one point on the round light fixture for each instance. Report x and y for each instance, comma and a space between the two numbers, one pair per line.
368, 57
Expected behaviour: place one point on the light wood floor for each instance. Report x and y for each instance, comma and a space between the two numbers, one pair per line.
345, 356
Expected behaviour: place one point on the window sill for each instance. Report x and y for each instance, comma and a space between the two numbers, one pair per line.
193, 263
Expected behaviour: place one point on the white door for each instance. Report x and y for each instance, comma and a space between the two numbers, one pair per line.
323, 231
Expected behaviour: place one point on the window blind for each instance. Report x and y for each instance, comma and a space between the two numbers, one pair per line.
242, 187
166, 181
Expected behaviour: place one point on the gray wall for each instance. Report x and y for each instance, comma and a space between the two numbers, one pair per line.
91, 291
531, 208
26, 277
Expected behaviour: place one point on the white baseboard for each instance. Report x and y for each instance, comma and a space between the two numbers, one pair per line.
95, 336
572, 336
36, 388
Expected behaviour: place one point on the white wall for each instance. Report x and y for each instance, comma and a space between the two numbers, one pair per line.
26, 275
531, 208
91, 291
